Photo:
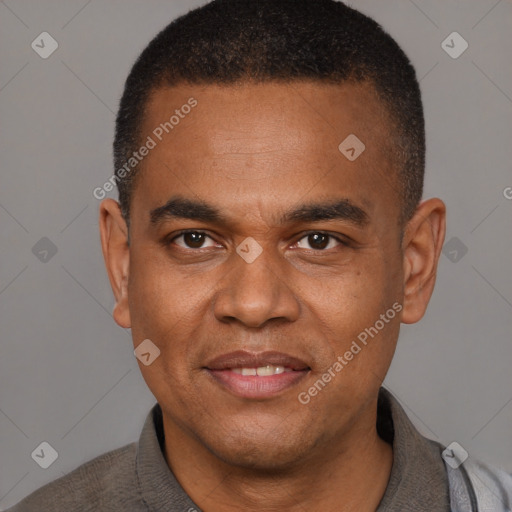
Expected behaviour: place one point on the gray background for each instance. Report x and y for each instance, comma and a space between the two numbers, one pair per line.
67, 371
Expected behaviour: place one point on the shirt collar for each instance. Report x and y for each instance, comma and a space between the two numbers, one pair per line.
417, 481
159, 488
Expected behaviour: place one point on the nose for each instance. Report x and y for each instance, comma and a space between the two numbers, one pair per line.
255, 293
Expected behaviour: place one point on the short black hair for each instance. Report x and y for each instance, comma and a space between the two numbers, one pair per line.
230, 41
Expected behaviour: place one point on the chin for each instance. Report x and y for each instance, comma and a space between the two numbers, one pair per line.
256, 459
279, 450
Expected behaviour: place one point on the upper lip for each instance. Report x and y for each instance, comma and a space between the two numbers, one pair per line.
244, 359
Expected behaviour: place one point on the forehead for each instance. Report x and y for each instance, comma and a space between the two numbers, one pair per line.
245, 142
311, 109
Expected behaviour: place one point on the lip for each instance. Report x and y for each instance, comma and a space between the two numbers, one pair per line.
256, 387
244, 359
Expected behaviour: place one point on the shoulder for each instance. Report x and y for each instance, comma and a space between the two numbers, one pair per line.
108, 482
492, 486
475, 485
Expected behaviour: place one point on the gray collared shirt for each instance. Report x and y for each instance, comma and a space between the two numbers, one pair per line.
136, 477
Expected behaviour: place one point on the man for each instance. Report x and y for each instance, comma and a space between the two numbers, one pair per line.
268, 241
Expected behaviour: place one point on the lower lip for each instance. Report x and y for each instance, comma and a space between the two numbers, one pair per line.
252, 386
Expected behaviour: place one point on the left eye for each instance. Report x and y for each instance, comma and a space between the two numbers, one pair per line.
319, 241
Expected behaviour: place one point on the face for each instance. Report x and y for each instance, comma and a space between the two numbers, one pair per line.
291, 252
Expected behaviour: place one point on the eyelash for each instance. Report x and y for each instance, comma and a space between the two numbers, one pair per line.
341, 241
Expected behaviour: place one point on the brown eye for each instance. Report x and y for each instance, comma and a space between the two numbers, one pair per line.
319, 241
193, 240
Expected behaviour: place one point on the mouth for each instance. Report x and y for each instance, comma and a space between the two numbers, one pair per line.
257, 376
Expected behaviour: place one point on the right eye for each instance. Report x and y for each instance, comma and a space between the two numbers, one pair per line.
192, 239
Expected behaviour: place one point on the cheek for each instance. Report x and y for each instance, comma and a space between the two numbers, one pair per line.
164, 310
352, 297
159, 297
359, 312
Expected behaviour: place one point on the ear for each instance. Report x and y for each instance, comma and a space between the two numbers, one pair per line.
421, 248
116, 252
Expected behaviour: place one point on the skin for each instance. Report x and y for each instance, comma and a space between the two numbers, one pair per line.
255, 151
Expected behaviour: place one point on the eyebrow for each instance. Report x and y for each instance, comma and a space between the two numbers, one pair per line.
183, 208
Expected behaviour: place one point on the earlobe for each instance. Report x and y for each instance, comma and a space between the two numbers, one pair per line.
116, 253
423, 241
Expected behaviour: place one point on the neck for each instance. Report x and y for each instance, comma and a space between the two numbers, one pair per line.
346, 474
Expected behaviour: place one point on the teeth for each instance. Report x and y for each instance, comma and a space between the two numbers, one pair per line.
262, 371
